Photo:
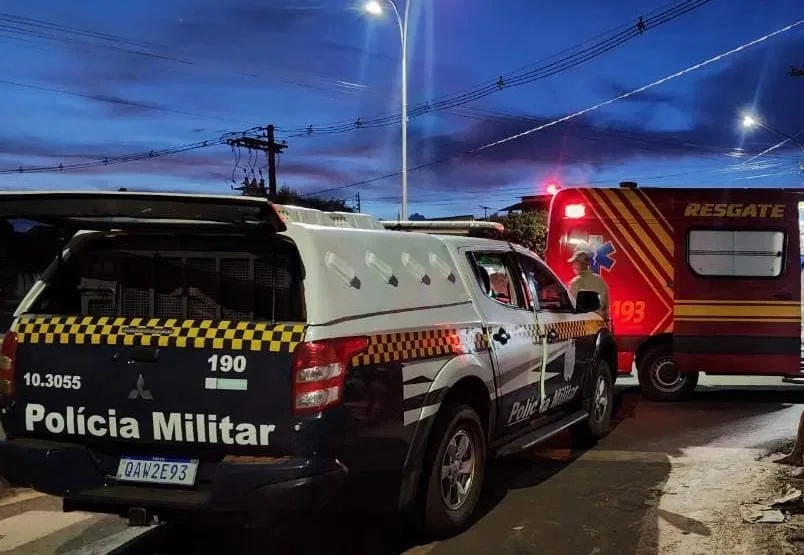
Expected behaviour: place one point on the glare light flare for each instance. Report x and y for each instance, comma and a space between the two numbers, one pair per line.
749, 121
373, 7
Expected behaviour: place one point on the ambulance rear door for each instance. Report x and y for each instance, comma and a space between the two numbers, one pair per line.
737, 290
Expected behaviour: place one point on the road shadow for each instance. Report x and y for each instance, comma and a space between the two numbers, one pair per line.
344, 529
556, 498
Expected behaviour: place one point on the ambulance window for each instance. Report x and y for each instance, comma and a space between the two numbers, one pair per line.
731, 253
546, 292
496, 278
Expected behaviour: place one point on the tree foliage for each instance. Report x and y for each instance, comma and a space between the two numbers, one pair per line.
286, 195
528, 229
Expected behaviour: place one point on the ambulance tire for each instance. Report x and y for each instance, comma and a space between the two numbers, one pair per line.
599, 403
455, 425
658, 388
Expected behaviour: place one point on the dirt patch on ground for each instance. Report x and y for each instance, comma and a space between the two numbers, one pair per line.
698, 511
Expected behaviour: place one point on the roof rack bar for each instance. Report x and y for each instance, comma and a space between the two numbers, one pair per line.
435, 226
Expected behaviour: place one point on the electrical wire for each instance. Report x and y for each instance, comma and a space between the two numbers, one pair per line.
574, 115
118, 101
519, 191
149, 155
621, 35
25, 31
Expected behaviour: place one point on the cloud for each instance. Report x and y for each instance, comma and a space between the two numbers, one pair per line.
758, 81
610, 88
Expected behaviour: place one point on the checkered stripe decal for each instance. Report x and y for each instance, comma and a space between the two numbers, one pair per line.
575, 329
144, 332
422, 344
564, 330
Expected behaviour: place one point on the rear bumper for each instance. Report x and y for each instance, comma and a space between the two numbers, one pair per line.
245, 485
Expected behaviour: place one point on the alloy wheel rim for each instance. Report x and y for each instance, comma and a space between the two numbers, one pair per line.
458, 468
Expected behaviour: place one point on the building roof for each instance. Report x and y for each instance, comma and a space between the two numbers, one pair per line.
532, 202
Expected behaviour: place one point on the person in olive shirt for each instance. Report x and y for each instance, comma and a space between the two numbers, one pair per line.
587, 280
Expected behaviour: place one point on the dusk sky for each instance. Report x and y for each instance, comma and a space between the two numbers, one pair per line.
118, 78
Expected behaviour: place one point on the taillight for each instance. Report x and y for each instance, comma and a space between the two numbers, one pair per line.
574, 211
8, 351
319, 372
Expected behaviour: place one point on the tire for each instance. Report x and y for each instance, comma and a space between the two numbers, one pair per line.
443, 514
658, 379
599, 403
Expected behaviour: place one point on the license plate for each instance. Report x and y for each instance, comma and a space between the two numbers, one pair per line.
158, 470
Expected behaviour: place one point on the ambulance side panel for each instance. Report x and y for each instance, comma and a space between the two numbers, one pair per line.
425, 335
738, 298
630, 233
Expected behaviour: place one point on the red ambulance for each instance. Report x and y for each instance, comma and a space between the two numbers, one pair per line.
701, 280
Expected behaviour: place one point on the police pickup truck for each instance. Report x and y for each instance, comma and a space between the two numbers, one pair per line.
193, 355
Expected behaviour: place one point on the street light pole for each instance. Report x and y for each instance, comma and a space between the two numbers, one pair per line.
373, 7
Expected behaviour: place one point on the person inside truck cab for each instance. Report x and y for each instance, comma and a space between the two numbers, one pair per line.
586, 280
500, 287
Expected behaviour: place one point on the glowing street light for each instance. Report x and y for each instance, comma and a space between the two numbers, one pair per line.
374, 8
750, 121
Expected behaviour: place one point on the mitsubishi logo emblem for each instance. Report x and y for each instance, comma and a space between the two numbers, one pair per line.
140, 392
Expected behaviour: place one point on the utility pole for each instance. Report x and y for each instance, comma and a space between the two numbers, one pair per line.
271, 148
357, 197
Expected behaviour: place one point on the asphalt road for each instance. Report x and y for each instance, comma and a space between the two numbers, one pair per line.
551, 500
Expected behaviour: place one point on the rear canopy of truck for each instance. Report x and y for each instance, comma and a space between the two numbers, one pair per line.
171, 329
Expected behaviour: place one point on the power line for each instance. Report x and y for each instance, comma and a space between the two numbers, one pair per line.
579, 113
507, 191
114, 100
26, 30
519, 191
611, 135
621, 35
112, 160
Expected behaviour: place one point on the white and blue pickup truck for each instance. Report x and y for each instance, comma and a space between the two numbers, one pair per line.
192, 355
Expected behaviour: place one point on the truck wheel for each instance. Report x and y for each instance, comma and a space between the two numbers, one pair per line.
599, 402
457, 464
659, 379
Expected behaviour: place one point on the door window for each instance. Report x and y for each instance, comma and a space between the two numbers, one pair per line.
546, 292
729, 253
497, 279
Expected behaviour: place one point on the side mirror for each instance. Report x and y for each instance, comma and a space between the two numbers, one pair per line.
587, 301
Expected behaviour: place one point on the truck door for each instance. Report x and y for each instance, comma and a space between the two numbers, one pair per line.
570, 349
737, 291
511, 335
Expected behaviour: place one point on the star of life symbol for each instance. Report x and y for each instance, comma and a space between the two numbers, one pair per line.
140, 392
602, 251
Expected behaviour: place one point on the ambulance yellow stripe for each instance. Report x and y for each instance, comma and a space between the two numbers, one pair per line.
737, 310
656, 210
624, 237
650, 220
641, 234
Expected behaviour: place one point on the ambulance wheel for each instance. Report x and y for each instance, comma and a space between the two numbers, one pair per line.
599, 403
455, 466
658, 378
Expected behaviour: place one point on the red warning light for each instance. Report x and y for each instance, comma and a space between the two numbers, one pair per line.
552, 188
574, 211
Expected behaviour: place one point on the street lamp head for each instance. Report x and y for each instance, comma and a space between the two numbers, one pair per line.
373, 7
749, 121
